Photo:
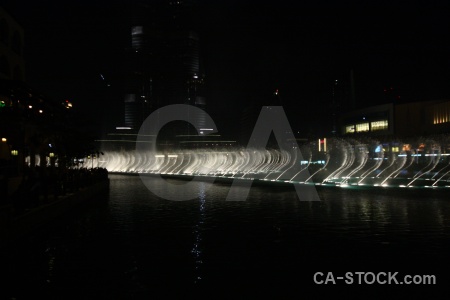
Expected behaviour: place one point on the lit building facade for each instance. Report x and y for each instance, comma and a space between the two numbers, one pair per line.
407, 119
375, 120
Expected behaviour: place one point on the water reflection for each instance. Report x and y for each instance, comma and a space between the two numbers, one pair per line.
138, 243
197, 232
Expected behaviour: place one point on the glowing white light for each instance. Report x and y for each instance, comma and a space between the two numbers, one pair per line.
353, 167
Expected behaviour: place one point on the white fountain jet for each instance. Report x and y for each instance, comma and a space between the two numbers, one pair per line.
362, 156
379, 157
433, 152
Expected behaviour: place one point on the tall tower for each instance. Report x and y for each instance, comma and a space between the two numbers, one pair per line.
163, 59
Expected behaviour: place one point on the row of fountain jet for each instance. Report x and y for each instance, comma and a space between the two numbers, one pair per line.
345, 162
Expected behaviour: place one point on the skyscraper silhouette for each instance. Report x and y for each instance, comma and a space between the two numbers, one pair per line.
163, 59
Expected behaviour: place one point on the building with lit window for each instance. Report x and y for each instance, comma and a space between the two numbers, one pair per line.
376, 120
406, 119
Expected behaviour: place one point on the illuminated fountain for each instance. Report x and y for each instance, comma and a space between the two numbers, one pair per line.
340, 162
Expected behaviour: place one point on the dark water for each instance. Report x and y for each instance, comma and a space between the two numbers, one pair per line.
136, 245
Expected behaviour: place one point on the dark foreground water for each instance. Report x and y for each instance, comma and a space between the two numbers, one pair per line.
135, 245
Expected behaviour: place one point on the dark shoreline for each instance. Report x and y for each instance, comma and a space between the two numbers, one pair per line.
16, 227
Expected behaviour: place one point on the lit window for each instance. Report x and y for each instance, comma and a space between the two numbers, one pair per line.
379, 125
350, 129
362, 127
395, 149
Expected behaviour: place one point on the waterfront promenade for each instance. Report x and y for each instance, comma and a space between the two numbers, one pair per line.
37, 198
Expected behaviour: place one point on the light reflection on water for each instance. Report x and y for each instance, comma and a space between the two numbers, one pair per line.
137, 242
197, 232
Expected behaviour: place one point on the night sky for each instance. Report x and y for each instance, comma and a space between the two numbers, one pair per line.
249, 49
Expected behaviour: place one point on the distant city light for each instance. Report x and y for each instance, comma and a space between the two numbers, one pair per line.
123, 128
4, 140
67, 104
30, 106
40, 111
